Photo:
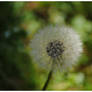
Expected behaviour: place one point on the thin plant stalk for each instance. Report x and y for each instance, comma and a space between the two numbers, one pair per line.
48, 79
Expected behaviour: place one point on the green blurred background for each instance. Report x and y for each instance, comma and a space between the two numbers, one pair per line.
19, 21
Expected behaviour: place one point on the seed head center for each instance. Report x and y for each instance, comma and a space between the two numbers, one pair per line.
55, 49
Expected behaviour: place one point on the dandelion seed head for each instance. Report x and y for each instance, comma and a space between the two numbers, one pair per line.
60, 45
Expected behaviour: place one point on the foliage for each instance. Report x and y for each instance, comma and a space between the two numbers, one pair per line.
19, 21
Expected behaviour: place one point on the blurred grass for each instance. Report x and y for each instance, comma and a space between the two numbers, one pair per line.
19, 21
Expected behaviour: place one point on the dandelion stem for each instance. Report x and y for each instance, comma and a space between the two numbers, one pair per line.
48, 79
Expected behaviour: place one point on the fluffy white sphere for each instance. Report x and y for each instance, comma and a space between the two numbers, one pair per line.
63, 53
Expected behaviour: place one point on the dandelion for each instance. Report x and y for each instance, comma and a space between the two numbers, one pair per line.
56, 47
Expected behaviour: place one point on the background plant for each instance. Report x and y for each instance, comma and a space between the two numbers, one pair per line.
18, 23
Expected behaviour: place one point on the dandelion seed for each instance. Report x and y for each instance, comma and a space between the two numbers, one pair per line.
58, 45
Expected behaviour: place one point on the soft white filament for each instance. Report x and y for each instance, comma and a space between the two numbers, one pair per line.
70, 40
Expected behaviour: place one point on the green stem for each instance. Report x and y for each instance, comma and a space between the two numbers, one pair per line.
48, 80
